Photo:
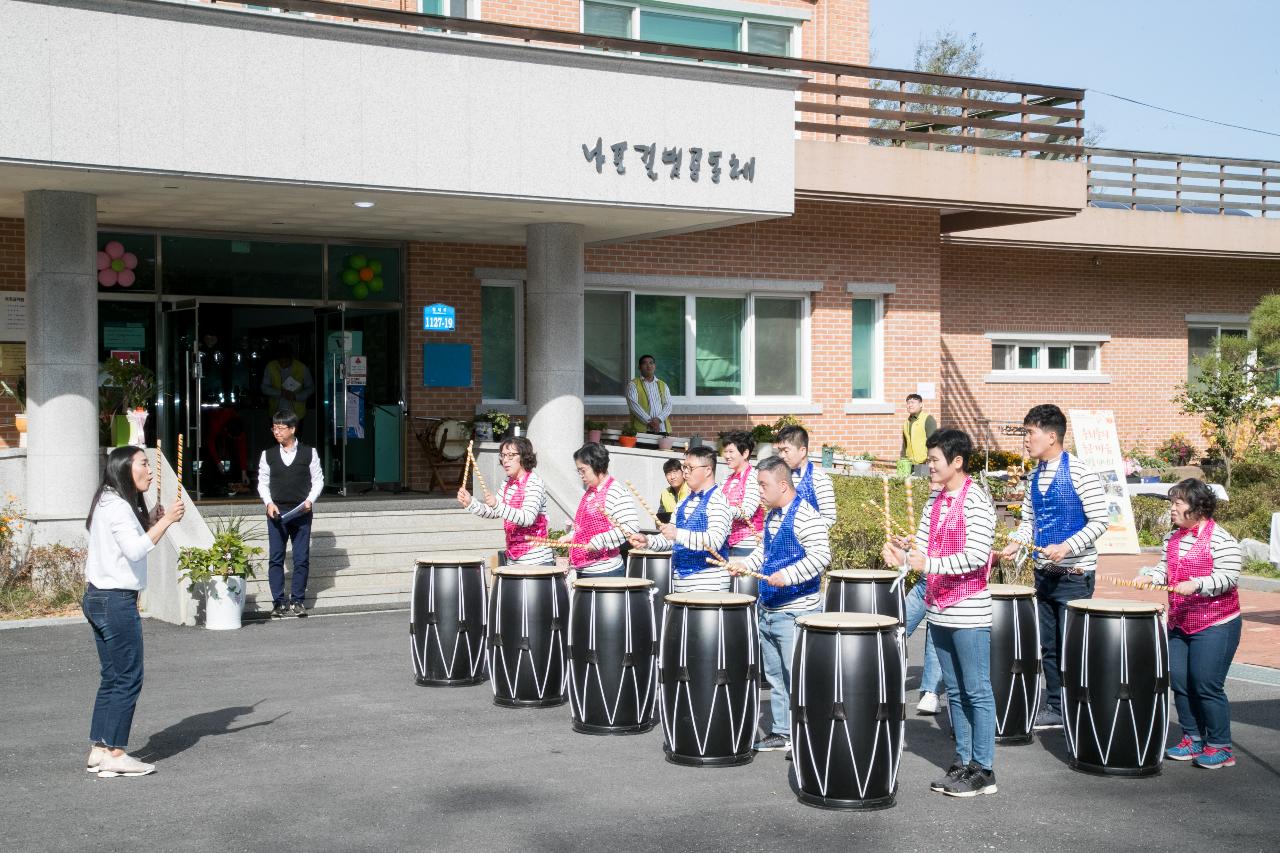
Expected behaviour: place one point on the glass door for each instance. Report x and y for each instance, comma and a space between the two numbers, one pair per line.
333, 345
181, 391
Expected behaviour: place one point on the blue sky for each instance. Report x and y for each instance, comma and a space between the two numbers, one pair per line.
1217, 60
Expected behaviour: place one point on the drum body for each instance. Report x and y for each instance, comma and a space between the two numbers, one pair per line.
613, 643
447, 622
1015, 661
1115, 683
866, 591
848, 709
528, 616
709, 678
656, 566
744, 584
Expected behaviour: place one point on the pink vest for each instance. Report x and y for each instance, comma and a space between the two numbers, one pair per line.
735, 491
518, 537
945, 539
1193, 613
588, 521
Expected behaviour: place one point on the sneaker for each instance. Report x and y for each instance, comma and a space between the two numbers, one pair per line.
928, 705
787, 757
953, 774
123, 765
773, 743
1048, 719
1186, 749
279, 611
1215, 757
298, 609
97, 752
973, 782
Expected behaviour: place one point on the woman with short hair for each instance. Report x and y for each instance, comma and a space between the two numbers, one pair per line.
521, 504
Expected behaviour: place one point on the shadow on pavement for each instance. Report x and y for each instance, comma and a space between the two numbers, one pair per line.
186, 733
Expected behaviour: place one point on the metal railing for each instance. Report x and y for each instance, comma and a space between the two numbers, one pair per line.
1183, 183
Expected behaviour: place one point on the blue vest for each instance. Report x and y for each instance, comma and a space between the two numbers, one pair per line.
686, 561
781, 550
1059, 511
804, 488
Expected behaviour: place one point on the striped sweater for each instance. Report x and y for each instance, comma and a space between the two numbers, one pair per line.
1084, 553
1227, 558
823, 489
811, 530
980, 531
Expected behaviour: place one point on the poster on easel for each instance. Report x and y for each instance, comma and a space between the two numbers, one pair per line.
1097, 446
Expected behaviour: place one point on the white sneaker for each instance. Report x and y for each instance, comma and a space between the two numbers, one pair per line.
928, 704
97, 752
123, 765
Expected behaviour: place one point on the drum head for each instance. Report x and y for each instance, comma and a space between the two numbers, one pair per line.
449, 560
858, 622
863, 575
450, 437
641, 553
612, 584
518, 571
1114, 606
1011, 590
710, 599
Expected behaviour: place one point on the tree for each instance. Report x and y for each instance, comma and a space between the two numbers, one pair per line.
1232, 395
1264, 332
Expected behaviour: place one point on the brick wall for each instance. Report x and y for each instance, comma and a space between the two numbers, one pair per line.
12, 277
1140, 300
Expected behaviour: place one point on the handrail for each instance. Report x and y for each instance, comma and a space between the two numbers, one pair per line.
1119, 177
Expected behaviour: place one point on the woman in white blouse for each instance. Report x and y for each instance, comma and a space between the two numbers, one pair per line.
121, 534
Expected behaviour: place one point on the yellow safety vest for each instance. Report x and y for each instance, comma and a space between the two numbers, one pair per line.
642, 397
668, 501
913, 432
297, 371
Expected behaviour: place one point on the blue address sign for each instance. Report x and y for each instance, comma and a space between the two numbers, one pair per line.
439, 318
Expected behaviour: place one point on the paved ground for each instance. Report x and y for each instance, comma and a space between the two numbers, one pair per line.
311, 735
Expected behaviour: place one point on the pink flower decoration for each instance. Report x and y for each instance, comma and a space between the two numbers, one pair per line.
126, 278
114, 249
108, 277
116, 266
104, 260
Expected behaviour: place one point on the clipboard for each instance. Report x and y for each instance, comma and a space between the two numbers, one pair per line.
293, 513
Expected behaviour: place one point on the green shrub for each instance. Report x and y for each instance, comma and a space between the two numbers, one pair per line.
49, 579
1260, 568
1151, 518
998, 460
1255, 495
1176, 450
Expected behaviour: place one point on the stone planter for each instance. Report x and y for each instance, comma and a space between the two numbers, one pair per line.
224, 603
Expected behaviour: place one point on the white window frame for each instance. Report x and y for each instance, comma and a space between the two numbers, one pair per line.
518, 400
1043, 374
875, 404
473, 9
730, 13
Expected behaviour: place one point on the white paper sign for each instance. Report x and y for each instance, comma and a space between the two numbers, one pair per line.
1098, 449
13, 317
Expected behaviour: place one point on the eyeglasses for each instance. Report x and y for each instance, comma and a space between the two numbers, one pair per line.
509, 455
688, 468
280, 427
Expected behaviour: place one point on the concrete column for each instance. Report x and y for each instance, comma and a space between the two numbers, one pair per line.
63, 460
553, 322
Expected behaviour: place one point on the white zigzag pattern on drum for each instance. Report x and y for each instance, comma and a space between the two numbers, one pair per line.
577, 695
524, 632
1029, 707
420, 656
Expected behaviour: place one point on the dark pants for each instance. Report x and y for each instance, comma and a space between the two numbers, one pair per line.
1053, 591
298, 533
1198, 665
117, 631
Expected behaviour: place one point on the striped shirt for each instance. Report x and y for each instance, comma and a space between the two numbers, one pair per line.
980, 532
719, 515
1084, 553
811, 531
620, 506
1227, 558
825, 491
533, 505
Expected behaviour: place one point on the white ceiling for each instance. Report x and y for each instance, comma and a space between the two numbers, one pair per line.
179, 202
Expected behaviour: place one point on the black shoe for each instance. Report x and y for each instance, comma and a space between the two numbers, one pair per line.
1048, 719
973, 782
298, 609
278, 611
788, 755
953, 773
773, 743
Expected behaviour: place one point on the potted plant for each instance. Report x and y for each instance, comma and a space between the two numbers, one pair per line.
862, 462
627, 438
127, 388
19, 394
763, 436
498, 423
594, 430
222, 571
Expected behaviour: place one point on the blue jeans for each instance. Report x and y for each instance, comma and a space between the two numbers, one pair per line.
931, 677
117, 631
1198, 665
1052, 594
297, 532
777, 642
965, 655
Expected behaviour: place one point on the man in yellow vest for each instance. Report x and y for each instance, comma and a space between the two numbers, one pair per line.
915, 432
287, 383
649, 399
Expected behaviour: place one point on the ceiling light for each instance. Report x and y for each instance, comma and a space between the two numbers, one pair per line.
363, 204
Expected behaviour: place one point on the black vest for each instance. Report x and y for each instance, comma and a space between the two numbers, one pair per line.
290, 484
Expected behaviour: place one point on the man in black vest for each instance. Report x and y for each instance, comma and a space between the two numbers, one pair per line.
289, 482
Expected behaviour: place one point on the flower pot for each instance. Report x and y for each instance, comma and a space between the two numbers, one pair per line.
484, 431
666, 442
224, 603
137, 427
119, 430
861, 465
626, 441
764, 450
593, 436
20, 421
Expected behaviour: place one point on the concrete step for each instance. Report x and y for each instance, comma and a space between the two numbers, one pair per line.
459, 521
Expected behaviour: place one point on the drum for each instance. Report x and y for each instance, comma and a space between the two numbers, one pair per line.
450, 439
848, 709
656, 566
866, 591
709, 676
613, 642
447, 621
1015, 661
1115, 683
528, 609
744, 584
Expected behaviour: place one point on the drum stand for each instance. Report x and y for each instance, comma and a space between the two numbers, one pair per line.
435, 459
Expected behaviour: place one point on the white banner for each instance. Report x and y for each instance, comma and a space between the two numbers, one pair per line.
1097, 446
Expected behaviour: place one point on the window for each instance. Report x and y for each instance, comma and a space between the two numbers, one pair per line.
1049, 358
500, 341
865, 348
448, 8
708, 347
703, 28
1202, 340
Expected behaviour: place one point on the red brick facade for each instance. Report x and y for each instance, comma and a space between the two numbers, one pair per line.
12, 277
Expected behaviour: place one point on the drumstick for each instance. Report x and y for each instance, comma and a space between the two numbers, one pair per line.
888, 517
1155, 587
716, 560
479, 477
897, 527
179, 464
466, 466
643, 503
555, 543
911, 503
159, 471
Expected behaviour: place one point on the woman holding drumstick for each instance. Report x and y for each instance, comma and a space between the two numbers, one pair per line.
521, 504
